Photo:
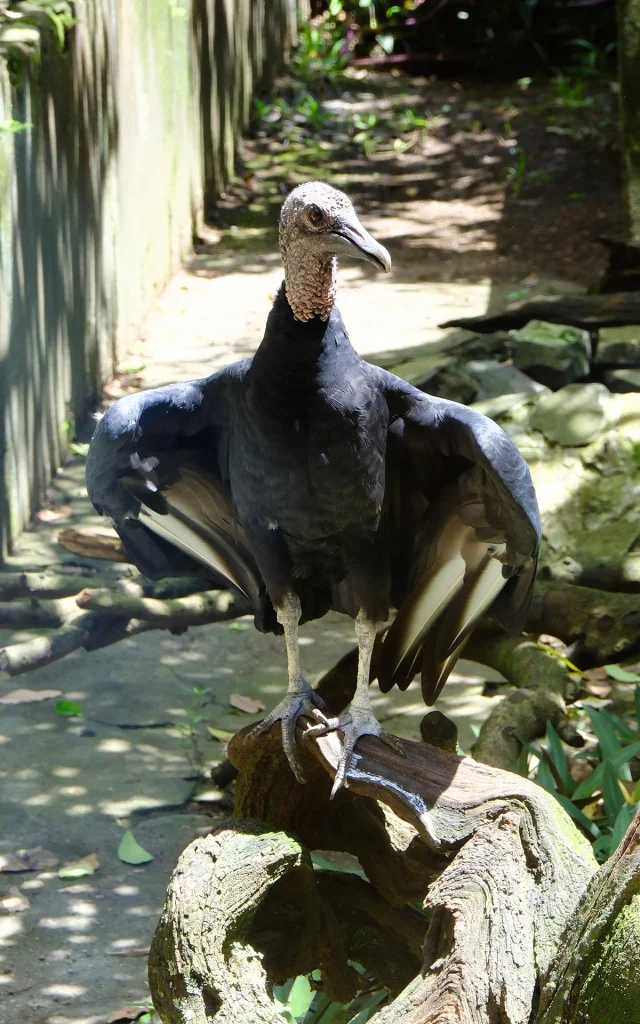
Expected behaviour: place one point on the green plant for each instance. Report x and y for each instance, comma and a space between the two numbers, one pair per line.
604, 802
320, 51
302, 1003
199, 697
570, 92
309, 110
11, 127
517, 172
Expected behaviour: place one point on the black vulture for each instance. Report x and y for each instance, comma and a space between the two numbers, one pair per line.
312, 480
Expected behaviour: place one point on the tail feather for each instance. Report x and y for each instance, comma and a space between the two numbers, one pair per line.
444, 643
463, 578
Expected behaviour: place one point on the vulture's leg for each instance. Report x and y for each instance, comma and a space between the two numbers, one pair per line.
359, 720
301, 699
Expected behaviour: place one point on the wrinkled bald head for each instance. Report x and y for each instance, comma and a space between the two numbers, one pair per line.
318, 223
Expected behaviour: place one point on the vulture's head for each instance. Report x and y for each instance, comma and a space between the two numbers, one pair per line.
318, 223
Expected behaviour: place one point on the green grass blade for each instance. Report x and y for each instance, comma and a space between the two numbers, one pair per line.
594, 781
613, 798
544, 778
605, 732
589, 826
621, 727
559, 760
625, 816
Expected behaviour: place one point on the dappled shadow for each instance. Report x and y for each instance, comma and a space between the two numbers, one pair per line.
61, 317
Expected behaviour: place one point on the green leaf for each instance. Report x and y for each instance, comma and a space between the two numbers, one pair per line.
80, 868
300, 996
319, 861
80, 449
559, 760
544, 778
68, 708
130, 850
622, 675
626, 814
594, 781
621, 727
574, 812
636, 699
613, 798
363, 1016
605, 733
222, 735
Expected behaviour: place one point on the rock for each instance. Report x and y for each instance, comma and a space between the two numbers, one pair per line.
552, 354
453, 382
495, 379
623, 381
618, 346
575, 415
589, 494
478, 380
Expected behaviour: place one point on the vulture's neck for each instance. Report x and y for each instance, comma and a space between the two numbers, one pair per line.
298, 354
310, 282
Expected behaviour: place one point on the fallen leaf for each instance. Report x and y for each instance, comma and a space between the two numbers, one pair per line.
125, 1014
130, 850
598, 689
54, 515
622, 675
34, 859
208, 794
15, 902
248, 704
26, 696
595, 675
79, 868
68, 708
220, 734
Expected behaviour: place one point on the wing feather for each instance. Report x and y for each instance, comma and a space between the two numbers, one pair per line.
474, 544
157, 466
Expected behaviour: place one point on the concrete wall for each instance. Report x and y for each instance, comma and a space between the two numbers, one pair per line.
132, 127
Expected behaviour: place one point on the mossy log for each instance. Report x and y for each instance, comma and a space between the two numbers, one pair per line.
504, 867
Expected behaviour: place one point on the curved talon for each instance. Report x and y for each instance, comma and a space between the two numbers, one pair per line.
353, 724
300, 701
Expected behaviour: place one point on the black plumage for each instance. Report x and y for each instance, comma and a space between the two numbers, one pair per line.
312, 480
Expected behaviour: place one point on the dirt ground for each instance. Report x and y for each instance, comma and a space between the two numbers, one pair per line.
470, 224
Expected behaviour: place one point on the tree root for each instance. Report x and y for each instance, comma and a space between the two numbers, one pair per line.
510, 869
594, 979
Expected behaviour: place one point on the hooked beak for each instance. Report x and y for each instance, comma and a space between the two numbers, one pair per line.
349, 238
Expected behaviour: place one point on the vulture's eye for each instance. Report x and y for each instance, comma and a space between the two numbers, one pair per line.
315, 215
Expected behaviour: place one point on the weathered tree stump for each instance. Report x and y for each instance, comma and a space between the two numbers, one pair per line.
516, 905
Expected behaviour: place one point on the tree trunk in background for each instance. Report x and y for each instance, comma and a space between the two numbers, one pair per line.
629, 69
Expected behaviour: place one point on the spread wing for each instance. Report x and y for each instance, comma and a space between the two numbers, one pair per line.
465, 533
157, 465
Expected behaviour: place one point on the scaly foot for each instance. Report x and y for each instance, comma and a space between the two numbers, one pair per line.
301, 699
355, 722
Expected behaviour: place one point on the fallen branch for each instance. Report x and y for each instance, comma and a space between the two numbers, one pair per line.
585, 311
91, 542
541, 680
512, 870
47, 584
181, 612
605, 624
